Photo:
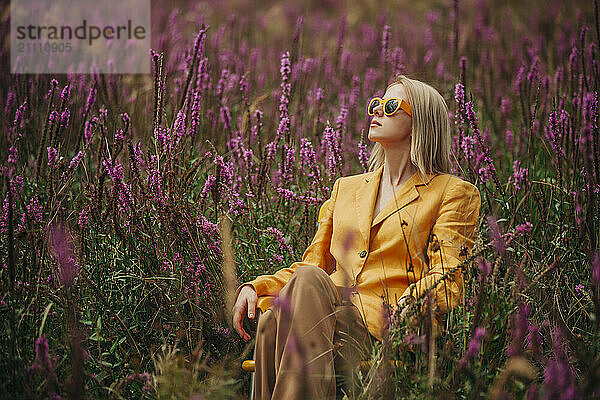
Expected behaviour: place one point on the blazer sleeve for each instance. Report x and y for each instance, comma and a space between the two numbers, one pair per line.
455, 229
317, 254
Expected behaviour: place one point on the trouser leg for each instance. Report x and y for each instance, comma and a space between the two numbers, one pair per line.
353, 344
297, 338
264, 371
304, 359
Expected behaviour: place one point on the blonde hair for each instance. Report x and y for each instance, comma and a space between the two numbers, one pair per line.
431, 142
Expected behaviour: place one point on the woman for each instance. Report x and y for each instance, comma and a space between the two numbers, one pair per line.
388, 236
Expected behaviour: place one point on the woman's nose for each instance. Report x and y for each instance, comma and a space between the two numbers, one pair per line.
378, 111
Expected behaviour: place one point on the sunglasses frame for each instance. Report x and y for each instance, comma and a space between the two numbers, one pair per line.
402, 104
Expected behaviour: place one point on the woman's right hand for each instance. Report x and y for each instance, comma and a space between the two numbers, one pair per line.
246, 301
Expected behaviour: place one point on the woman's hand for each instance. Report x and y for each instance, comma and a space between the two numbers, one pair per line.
246, 300
401, 309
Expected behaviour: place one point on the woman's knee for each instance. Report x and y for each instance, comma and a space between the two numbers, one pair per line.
308, 271
308, 278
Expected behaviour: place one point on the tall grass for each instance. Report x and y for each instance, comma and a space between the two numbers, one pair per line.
116, 188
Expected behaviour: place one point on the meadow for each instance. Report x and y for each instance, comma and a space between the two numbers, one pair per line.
133, 205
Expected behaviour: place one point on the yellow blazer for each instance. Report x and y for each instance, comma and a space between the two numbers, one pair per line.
375, 258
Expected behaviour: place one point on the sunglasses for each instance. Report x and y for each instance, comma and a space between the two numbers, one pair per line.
390, 106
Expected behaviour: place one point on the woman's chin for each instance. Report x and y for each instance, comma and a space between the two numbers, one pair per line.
373, 137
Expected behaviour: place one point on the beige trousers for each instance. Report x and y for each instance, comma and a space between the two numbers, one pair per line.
311, 335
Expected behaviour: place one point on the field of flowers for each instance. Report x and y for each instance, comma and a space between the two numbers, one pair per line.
133, 205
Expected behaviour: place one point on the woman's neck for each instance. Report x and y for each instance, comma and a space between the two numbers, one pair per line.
397, 168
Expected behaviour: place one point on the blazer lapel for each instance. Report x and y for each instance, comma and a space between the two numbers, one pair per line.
364, 201
366, 196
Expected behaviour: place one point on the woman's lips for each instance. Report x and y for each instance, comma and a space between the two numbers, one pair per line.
375, 124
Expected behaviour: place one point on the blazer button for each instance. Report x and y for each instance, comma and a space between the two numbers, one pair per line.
363, 254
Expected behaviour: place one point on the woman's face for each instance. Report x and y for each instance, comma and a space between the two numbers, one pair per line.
395, 128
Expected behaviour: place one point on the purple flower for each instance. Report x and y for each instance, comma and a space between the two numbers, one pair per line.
590, 124
52, 157
196, 112
155, 181
73, 164
53, 118
474, 346
385, 44
286, 168
362, 151
596, 269
286, 193
65, 117
341, 120
221, 84
468, 147
119, 137
53, 85
256, 128
484, 266
489, 170
42, 362
66, 92
283, 129
354, 92
308, 159
333, 147
533, 74
440, 70
520, 328
18, 121
114, 169
505, 107
509, 135
463, 66
34, 212
12, 155
10, 99
519, 174
522, 229
139, 155
559, 380
534, 338
90, 100
244, 88
60, 244
496, 235
237, 205
163, 139
83, 217
126, 120
558, 122
413, 339
208, 185
87, 132
519, 78
284, 99
280, 239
